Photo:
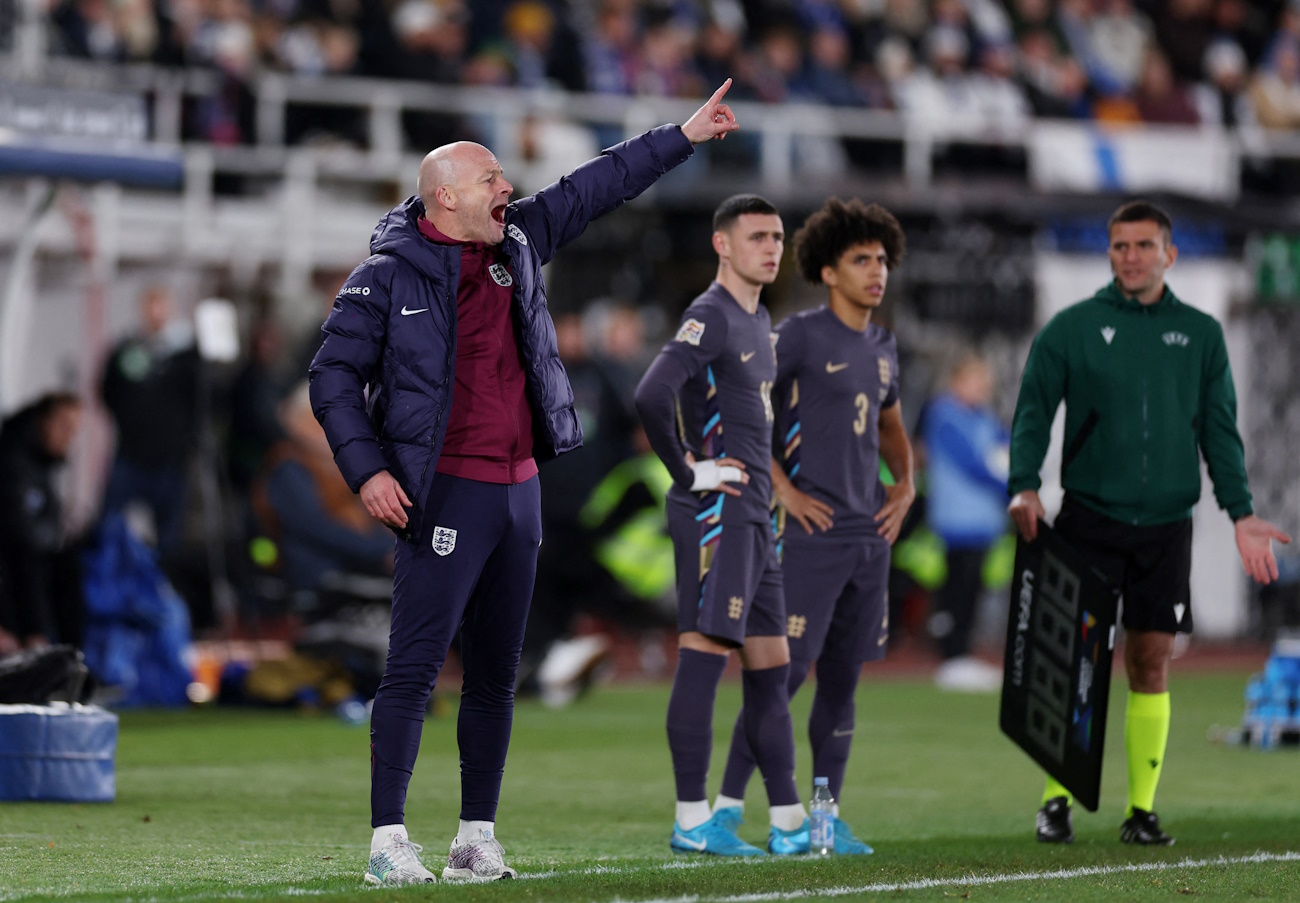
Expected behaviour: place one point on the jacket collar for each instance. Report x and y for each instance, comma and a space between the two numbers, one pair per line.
1111, 294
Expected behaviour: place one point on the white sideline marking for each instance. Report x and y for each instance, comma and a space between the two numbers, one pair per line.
981, 880
271, 889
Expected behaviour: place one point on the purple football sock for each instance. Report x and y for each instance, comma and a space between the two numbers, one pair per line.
769, 731
690, 720
830, 727
740, 758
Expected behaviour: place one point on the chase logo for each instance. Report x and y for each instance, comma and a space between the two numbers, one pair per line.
517, 234
1175, 338
355, 290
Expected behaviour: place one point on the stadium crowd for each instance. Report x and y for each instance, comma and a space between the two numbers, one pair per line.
1214, 62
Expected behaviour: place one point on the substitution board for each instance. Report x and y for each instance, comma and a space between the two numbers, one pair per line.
1056, 679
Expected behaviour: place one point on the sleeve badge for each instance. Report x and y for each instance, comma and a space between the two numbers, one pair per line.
690, 332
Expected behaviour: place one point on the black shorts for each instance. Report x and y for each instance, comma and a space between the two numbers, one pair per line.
1150, 565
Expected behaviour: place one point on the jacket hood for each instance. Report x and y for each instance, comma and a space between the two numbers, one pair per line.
1111, 294
397, 233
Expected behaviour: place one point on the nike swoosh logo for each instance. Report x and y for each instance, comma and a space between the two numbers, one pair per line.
744, 358
407, 313
839, 733
693, 844
835, 368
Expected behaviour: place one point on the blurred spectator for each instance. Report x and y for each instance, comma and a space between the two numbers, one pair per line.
228, 43
550, 145
828, 79
40, 596
998, 97
568, 578
537, 52
610, 51
421, 41
150, 387
1223, 100
719, 45
1055, 85
1249, 24
967, 460
1159, 98
1275, 91
85, 28
319, 526
1110, 41
254, 401
779, 63
1184, 29
666, 64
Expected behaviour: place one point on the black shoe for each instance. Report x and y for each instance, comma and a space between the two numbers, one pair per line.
1143, 827
1054, 825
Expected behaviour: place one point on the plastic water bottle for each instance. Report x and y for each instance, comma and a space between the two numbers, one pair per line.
821, 818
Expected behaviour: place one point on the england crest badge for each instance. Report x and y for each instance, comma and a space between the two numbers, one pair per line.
444, 540
500, 275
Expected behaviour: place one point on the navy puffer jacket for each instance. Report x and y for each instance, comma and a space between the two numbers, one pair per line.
381, 383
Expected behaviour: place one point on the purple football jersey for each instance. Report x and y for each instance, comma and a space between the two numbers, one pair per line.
831, 384
726, 406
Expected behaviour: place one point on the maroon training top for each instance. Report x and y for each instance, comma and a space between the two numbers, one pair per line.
490, 426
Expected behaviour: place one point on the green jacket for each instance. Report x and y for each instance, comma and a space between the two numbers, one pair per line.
1144, 387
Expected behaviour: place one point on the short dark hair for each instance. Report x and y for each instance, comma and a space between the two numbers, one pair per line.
736, 206
50, 402
841, 225
1142, 212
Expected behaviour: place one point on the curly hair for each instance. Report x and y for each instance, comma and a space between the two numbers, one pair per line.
840, 225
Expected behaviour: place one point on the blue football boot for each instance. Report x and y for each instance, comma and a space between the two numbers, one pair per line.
846, 843
730, 817
788, 843
713, 838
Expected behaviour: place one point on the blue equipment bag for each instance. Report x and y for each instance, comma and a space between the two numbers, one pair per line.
64, 752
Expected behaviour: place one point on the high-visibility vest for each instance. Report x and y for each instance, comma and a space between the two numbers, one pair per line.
639, 553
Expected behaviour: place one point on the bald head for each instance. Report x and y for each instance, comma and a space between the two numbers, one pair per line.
464, 192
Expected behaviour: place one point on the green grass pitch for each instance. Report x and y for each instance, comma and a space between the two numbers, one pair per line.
227, 804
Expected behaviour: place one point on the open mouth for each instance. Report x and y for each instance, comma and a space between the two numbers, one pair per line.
499, 215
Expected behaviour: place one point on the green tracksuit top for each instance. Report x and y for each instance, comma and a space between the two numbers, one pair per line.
1145, 387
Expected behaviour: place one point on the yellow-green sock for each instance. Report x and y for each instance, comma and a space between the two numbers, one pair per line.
1146, 732
1054, 789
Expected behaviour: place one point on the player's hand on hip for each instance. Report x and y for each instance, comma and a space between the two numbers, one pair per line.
1025, 510
808, 511
713, 120
385, 499
890, 517
717, 475
1254, 544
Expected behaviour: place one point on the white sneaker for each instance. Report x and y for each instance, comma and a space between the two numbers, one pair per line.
396, 863
968, 675
569, 666
480, 859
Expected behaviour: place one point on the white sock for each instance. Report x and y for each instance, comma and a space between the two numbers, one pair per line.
473, 830
383, 834
787, 818
726, 802
692, 814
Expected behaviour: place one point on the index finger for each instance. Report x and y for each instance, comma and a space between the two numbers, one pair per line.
717, 95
